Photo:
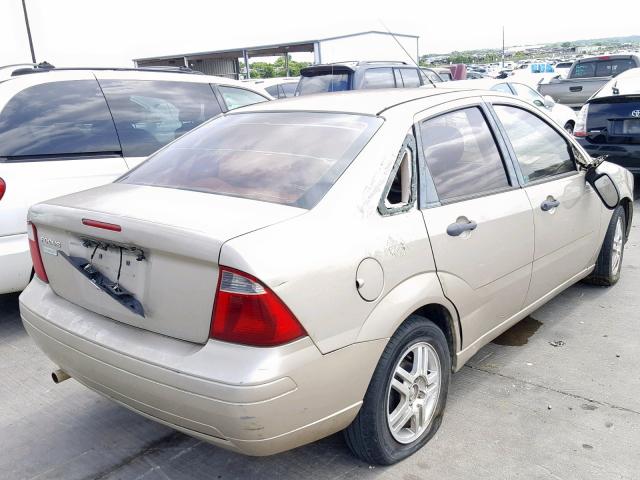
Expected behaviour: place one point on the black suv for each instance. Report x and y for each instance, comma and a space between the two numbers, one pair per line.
336, 77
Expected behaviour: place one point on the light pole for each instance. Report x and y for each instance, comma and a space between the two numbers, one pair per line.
502, 45
26, 21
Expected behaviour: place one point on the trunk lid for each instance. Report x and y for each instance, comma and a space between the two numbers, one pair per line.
170, 243
614, 120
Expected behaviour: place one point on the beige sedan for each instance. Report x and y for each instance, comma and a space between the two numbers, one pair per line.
290, 270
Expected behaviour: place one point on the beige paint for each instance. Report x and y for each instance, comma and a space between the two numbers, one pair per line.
264, 400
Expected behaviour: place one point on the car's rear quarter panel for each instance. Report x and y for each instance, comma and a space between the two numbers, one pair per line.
311, 261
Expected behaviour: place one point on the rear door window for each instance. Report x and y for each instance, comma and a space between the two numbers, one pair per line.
410, 77
57, 118
541, 151
379, 78
149, 113
461, 154
236, 97
279, 157
584, 70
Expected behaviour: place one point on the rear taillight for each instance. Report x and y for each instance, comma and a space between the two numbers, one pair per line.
580, 129
3, 188
248, 312
34, 247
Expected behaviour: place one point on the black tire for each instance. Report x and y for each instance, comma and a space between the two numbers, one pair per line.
604, 273
369, 436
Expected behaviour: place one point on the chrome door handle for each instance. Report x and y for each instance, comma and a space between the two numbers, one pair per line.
549, 204
456, 229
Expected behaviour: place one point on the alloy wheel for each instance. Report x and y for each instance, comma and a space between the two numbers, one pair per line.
616, 254
413, 393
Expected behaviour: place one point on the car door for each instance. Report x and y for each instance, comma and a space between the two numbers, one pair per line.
151, 113
478, 219
566, 210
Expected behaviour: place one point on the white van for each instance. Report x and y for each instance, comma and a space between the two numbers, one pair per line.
65, 130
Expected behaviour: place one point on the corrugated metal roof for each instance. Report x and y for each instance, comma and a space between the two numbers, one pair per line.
275, 48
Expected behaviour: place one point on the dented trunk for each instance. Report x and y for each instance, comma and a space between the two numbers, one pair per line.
145, 256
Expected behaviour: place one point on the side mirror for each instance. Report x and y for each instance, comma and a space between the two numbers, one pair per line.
549, 102
604, 187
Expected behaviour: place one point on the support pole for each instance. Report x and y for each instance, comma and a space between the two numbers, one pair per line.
246, 64
503, 46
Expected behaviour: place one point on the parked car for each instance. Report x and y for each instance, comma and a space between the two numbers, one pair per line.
281, 87
561, 114
268, 287
65, 130
504, 73
586, 76
563, 68
609, 123
336, 77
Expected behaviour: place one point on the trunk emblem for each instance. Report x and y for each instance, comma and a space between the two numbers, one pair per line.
635, 113
50, 241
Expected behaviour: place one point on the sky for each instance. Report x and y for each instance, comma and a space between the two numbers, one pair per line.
111, 33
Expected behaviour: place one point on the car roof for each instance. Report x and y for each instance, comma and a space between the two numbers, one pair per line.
124, 73
267, 82
606, 57
627, 83
20, 82
353, 65
476, 84
365, 102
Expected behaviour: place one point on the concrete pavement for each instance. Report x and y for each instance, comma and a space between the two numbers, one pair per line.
556, 397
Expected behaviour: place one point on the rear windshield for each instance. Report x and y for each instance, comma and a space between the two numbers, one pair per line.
324, 82
290, 158
603, 68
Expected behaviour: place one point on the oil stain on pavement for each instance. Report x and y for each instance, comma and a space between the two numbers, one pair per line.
519, 334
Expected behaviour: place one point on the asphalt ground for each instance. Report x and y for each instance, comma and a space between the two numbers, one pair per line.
555, 397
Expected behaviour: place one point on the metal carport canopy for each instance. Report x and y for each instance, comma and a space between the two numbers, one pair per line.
259, 50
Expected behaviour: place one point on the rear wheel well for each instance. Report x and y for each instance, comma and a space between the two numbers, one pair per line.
443, 319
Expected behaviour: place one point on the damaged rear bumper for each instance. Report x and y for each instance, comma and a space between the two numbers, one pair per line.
256, 401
